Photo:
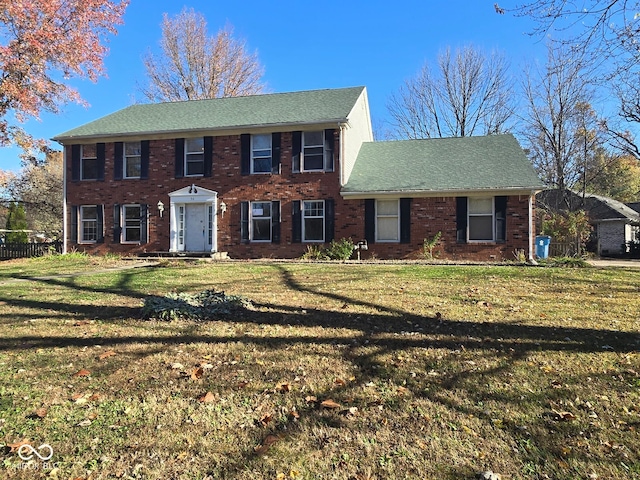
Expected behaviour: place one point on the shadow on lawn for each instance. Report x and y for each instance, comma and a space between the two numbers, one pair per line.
375, 336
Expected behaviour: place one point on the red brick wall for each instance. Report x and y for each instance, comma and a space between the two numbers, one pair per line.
429, 215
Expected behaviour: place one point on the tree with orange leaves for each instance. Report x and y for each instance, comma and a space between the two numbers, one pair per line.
44, 43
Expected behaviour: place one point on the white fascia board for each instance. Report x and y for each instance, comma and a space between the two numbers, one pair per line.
169, 134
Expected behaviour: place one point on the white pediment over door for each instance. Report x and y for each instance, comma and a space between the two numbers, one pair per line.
193, 194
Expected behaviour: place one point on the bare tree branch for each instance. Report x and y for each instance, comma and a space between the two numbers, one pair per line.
194, 65
470, 94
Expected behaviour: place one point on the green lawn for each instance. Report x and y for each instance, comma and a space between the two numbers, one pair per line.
336, 371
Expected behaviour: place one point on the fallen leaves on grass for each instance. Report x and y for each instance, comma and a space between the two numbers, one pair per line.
266, 444
563, 416
82, 373
197, 373
207, 398
330, 404
39, 413
266, 419
14, 447
107, 354
283, 387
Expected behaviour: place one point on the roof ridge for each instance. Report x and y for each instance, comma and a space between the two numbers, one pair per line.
267, 94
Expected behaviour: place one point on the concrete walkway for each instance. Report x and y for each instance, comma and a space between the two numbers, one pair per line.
615, 262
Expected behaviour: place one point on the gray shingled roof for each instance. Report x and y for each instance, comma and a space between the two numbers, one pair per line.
442, 165
600, 208
308, 107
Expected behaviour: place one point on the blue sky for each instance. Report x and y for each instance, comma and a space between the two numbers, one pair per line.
303, 46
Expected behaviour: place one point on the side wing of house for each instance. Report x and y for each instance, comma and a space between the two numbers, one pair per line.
475, 194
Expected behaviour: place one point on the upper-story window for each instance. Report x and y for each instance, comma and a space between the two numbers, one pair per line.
132, 159
89, 163
194, 156
313, 151
261, 153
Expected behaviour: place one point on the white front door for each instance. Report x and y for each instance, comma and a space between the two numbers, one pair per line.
195, 227
194, 220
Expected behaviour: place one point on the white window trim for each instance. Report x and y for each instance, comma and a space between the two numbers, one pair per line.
493, 219
186, 156
397, 215
251, 232
324, 153
125, 157
303, 216
81, 222
123, 233
83, 158
253, 172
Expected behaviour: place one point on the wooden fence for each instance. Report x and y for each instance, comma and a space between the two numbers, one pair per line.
557, 249
27, 250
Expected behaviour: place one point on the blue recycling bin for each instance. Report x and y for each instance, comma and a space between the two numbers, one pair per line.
542, 246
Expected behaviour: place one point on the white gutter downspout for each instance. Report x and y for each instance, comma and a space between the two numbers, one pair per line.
531, 226
341, 148
64, 199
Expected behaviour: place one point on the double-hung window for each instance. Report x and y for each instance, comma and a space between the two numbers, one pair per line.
313, 151
194, 156
481, 219
260, 227
387, 221
88, 223
132, 224
313, 221
132, 160
261, 153
89, 162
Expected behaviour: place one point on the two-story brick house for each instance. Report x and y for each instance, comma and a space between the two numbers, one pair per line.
267, 175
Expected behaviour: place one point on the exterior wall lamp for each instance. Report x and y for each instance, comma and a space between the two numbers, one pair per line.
223, 208
160, 208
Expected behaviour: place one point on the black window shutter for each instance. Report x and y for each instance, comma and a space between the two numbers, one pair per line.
208, 156
405, 220
461, 219
118, 160
329, 220
145, 149
329, 142
296, 222
73, 225
296, 151
370, 220
275, 153
75, 162
245, 154
244, 222
501, 218
179, 158
117, 229
275, 222
100, 215
144, 216
100, 153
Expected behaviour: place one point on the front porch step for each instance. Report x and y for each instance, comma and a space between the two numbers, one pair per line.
186, 255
